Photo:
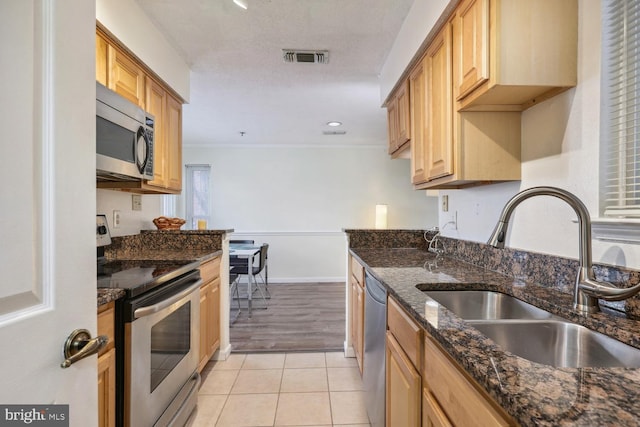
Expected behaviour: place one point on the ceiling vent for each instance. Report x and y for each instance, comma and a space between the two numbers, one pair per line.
309, 56
334, 132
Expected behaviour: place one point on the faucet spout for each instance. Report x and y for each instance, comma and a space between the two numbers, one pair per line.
587, 289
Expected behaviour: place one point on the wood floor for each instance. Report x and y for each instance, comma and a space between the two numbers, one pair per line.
299, 317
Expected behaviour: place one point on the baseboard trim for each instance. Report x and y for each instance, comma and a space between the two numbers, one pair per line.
222, 354
301, 233
348, 350
285, 280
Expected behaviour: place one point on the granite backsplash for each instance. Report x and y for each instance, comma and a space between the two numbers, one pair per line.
126, 247
545, 270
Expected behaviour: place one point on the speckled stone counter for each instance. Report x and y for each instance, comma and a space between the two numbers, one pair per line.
534, 394
105, 296
154, 245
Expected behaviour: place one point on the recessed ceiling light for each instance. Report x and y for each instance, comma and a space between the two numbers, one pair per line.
334, 124
241, 3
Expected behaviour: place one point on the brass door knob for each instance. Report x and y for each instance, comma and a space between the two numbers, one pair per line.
80, 345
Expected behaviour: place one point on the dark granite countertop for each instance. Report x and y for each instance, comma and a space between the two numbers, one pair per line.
534, 394
170, 255
106, 295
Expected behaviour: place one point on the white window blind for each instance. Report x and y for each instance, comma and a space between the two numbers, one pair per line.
197, 204
620, 125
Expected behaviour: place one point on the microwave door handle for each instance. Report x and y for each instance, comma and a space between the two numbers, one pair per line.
141, 163
150, 309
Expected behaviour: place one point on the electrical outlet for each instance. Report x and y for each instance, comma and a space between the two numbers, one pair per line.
136, 202
116, 219
445, 203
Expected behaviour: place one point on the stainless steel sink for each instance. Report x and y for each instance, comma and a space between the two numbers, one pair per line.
487, 305
560, 344
535, 334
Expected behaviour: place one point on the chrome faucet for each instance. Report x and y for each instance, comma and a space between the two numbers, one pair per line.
587, 289
435, 245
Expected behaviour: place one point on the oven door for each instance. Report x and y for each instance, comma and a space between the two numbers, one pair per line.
161, 354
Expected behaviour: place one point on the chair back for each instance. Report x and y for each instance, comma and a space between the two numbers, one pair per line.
263, 256
241, 242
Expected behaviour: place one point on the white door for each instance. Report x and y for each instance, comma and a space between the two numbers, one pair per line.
47, 196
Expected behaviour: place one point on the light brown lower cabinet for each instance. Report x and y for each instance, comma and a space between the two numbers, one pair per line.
357, 310
107, 368
452, 396
425, 386
209, 310
432, 414
403, 387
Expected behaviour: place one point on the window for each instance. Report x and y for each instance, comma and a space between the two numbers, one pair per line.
620, 116
197, 205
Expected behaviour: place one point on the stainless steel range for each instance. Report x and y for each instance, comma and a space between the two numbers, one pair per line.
157, 333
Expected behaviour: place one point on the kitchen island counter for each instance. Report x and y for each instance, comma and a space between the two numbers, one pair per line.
532, 393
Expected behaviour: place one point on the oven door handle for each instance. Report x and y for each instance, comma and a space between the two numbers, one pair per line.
148, 310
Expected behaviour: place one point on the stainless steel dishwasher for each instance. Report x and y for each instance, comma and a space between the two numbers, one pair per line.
373, 373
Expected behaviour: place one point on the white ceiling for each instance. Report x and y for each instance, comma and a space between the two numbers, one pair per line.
240, 83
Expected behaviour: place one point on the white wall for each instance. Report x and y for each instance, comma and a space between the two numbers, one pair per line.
298, 199
417, 25
131, 222
126, 20
560, 147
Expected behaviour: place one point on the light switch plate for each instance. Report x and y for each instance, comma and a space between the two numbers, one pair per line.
445, 203
136, 202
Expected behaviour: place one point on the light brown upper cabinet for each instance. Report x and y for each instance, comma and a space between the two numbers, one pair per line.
458, 149
173, 154
513, 54
418, 119
438, 150
398, 118
125, 75
167, 170
490, 60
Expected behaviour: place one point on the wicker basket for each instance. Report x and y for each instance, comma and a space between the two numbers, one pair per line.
164, 223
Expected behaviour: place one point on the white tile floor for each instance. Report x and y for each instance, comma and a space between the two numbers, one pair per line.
281, 389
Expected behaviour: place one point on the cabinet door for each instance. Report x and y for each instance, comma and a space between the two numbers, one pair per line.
205, 292
125, 77
354, 312
156, 104
460, 400
173, 135
404, 116
432, 414
392, 123
417, 100
471, 45
102, 62
439, 147
402, 388
213, 331
107, 389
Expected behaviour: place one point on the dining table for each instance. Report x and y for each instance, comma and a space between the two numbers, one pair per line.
248, 253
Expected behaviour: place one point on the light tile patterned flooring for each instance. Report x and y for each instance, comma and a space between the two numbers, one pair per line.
281, 389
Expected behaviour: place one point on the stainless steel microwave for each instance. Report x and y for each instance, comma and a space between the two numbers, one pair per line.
124, 138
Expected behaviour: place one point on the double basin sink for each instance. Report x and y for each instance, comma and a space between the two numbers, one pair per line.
535, 334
